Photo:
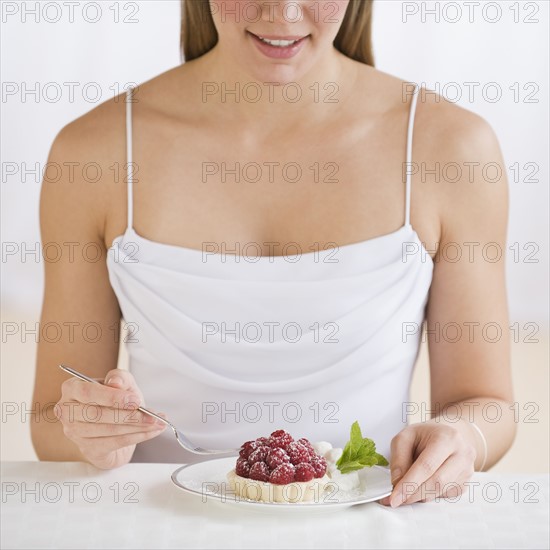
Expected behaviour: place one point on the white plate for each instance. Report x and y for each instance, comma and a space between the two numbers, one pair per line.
208, 480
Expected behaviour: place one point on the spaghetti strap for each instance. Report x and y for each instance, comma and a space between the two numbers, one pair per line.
408, 164
129, 158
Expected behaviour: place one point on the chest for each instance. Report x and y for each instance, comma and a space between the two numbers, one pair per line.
313, 187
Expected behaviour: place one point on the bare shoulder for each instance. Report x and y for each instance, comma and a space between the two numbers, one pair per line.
101, 132
443, 127
87, 165
98, 134
459, 183
459, 159
457, 162
77, 180
451, 130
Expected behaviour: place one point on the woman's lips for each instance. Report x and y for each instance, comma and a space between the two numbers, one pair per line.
279, 52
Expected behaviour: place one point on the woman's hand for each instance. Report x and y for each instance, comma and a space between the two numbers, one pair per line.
430, 460
102, 420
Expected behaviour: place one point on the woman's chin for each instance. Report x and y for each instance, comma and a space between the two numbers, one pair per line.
276, 73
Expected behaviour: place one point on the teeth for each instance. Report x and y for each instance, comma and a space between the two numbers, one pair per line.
278, 43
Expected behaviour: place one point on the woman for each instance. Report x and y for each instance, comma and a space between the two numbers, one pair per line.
274, 250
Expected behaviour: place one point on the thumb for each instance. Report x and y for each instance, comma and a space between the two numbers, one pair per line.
123, 380
401, 459
402, 454
115, 379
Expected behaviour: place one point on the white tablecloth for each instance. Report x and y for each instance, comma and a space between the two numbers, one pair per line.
73, 505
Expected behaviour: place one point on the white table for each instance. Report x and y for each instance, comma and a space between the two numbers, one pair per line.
73, 505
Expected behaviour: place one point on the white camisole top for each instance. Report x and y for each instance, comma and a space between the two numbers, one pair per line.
232, 347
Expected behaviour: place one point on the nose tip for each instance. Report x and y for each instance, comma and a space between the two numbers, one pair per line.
281, 11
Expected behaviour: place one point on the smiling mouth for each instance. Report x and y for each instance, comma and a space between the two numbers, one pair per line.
279, 42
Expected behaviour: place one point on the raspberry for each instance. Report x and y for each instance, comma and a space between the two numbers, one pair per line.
259, 455
298, 453
247, 448
259, 471
282, 474
319, 464
281, 439
276, 457
242, 468
262, 441
304, 472
305, 442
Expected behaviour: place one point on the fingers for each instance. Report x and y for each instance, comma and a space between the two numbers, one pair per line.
98, 394
427, 463
447, 481
100, 447
122, 379
402, 458
444, 463
103, 420
438, 445
86, 430
73, 411
436, 484
402, 454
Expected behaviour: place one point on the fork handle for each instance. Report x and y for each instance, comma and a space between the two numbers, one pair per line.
85, 378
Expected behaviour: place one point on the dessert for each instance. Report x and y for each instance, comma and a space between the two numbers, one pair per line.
279, 469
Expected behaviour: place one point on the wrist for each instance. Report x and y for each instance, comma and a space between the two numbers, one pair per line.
480, 444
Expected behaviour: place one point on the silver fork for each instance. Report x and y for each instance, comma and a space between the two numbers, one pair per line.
181, 439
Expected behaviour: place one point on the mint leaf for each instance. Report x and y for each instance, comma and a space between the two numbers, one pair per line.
352, 446
367, 447
355, 435
359, 452
381, 460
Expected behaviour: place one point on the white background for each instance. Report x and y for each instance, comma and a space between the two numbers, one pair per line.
473, 42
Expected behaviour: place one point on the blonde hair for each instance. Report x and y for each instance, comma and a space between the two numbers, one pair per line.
199, 34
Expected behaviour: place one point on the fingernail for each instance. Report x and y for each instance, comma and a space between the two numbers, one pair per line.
149, 419
396, 500
395, 476
114, 380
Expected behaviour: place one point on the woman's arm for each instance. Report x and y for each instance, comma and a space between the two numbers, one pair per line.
471, 294
77, 296
467, 324
80, 314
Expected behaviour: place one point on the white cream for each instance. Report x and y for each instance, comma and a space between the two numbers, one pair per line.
333, 455
345, 482
322, 447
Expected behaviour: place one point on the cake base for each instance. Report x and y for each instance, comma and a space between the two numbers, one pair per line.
295, 492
